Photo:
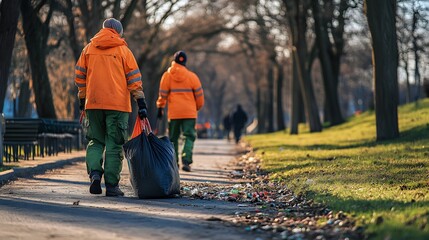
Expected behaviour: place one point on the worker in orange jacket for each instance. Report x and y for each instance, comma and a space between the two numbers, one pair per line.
182, 90
106, 74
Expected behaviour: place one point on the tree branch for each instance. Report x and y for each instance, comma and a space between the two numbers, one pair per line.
83, 5
116, 9
39, 6
51, 47
312, 55
128, 14
49, 16
222, 53
68, 12
155, 30
45, 25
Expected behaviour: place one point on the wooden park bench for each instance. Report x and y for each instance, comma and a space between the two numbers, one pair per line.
21, 138
25, 138
61, 136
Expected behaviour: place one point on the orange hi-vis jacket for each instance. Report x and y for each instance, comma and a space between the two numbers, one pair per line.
182, 89
107, 72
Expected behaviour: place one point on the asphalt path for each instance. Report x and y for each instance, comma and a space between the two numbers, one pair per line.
57, 205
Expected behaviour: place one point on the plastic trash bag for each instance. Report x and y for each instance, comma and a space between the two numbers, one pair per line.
153, 170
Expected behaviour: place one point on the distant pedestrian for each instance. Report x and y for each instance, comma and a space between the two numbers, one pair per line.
239, 119
182, 90
106, 74
227, 126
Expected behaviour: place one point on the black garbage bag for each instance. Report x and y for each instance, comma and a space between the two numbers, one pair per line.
153, 170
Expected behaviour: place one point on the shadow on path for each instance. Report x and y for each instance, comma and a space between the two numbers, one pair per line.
85, 183
122, 222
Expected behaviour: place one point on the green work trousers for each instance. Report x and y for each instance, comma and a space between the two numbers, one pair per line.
187, 126
107, 132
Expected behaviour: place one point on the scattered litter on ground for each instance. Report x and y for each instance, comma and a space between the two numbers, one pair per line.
271, 207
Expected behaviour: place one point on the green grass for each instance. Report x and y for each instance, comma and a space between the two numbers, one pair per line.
345, 167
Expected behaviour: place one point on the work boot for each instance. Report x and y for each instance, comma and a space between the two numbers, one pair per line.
95, 187
113, 191
186, 167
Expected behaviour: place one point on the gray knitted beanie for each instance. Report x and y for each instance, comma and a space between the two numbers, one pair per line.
113, 24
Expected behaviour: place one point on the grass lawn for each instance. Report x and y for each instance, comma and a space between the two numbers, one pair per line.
383, 185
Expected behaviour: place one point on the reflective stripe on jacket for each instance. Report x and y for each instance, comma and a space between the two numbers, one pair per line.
107, 72
182, 90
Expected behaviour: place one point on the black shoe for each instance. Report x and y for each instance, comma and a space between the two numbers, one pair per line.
186, 167
113, 191
95, 187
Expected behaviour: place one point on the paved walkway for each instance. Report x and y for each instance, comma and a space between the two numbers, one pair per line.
57, 205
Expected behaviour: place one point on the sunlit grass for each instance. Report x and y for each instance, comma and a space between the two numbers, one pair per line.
347, 169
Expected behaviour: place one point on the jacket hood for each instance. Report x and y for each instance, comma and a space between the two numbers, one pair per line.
178, 72
107, 38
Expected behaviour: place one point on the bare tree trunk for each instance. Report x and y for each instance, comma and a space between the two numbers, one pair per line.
407, 81
280, 112
381, 21
311, 109
416, 54
92, 17
9, 13
36, 36
332, 104
417, 76
76, 48
295, 95
24, 106
270, 97
301, 110
297, 16
261, 106
265, 106
298, 23
338, 37
426, 87
218, 106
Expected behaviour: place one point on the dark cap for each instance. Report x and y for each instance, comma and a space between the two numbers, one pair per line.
180, 58
113, 24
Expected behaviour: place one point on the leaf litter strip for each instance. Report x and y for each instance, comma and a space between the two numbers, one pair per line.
278, 212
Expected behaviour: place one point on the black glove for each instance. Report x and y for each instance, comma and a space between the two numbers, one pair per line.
160, 113
142, 108
82, 104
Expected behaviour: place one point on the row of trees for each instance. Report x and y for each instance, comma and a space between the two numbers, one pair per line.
286, 61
